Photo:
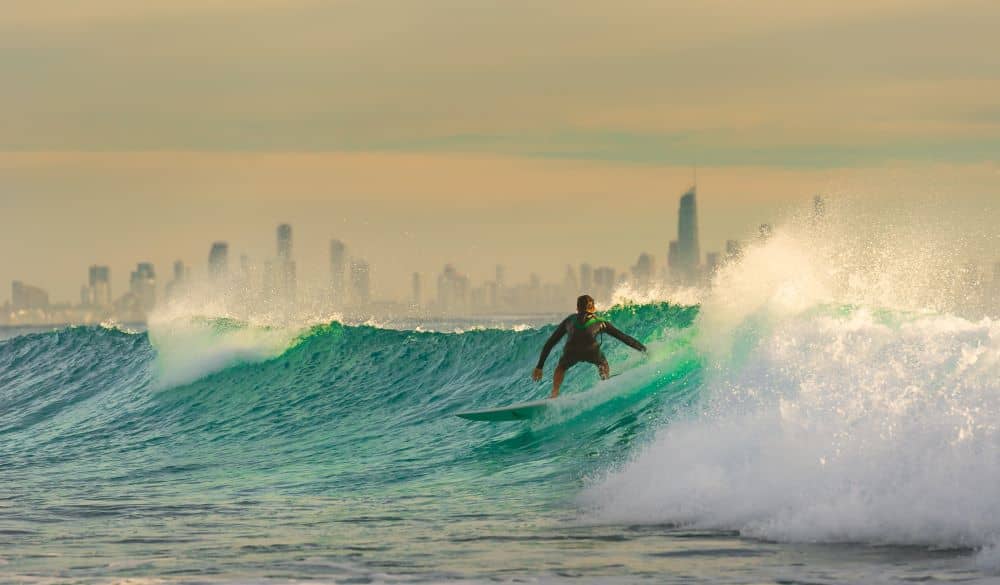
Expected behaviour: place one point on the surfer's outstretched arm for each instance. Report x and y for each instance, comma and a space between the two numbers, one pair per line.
626, 339
547, 349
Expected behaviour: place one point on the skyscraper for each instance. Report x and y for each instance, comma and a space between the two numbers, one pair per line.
688, 255
285, 241
99, 286
604, 282
642, 272
338, 267
218, 261
24, 297
416, 299
175, 286
673, 264
142, 286
285, 265
360, 282
453, 289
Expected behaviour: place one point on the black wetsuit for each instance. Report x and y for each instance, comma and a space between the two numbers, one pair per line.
582, 346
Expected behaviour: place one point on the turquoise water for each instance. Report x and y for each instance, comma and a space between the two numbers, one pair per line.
214, 450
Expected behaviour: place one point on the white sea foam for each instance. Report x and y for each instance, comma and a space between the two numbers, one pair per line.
846, 401
190, 348
626, 292
207, 330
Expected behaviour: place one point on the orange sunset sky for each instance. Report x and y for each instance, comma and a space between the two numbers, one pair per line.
532, 134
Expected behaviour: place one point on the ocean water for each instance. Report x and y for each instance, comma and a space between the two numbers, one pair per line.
775, 433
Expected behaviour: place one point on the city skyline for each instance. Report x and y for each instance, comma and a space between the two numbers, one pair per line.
275, 281
409, 243
224, 256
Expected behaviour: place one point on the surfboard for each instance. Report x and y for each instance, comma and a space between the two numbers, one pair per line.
522, 411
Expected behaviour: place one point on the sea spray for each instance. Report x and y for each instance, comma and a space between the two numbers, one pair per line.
211, 326
850, 395
189, 348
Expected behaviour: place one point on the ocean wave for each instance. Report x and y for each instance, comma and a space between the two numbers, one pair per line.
844, 398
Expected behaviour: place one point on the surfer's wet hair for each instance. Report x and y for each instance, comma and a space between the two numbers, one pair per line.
583, 303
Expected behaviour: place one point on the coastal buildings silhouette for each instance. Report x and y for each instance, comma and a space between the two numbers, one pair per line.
98, 289
274, 283
338, 270
285, 277
688, 254
360, 282
142, 291
218, 261
176, 286
25, 297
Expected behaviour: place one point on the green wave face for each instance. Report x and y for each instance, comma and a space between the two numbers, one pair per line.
341, 423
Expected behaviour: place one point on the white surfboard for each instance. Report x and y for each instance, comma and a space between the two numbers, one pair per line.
522, 411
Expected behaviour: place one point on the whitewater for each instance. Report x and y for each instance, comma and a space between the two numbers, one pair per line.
828, 412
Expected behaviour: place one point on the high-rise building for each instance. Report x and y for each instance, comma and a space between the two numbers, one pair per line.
586, 278
338, 268
604, 283
687, 256
99, 286
673, 264
218, 261
501, 274
285, 266
24, 297
453, 289
642, 272
142, 286
181, 275
360, 282
415, 298
285, 241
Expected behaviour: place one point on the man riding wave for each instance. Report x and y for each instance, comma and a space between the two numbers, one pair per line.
582, 329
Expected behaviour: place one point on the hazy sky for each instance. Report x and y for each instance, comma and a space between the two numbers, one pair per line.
528, 133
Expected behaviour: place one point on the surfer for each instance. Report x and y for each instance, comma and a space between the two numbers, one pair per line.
581, 346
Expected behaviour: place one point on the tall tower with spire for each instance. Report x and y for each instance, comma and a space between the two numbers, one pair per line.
685, 254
